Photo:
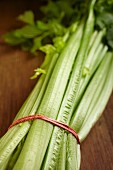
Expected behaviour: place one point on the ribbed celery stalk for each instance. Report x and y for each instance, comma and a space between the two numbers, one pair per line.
15, 155
93, 38
27, 106
61, 164
97, 58
44, 86
96, 43
97, 109
67, 105
74, 91
73, 154
95, 84
8, 140
93, 91
12, 138
40, 132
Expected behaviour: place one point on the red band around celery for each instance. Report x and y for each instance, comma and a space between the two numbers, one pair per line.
47, 119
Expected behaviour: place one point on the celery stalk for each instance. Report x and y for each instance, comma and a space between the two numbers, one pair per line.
97, 81
99, 106
16, 134
67, 105
62, 157
37, 141
91, 95
98, 56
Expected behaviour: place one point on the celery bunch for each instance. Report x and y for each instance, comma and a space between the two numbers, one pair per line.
74, 88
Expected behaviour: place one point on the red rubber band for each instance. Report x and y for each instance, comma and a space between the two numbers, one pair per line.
47, 119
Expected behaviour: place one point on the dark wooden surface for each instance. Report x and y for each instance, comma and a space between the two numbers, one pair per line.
16, 67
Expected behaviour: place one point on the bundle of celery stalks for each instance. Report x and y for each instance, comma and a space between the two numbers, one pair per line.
76, 81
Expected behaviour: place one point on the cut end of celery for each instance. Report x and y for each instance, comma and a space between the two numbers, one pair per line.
38, 72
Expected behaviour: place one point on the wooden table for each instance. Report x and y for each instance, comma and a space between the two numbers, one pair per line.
16, 67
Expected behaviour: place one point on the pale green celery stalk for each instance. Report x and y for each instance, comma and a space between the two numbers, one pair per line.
73, 154
86, 73
90, 57
67, 106
14, 156
5, 165
95, 83
42, 90
62, 157
98, 108
98, 55
35, 146
25, 109
91, 41
94, 36
16, 134
89, 60
93, 90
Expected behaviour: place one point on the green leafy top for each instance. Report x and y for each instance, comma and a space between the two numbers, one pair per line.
65, 11
58, 19
35, 33
104, 19
28, 18
58, 16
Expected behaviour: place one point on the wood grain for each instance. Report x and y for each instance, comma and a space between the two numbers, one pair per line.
16, 67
